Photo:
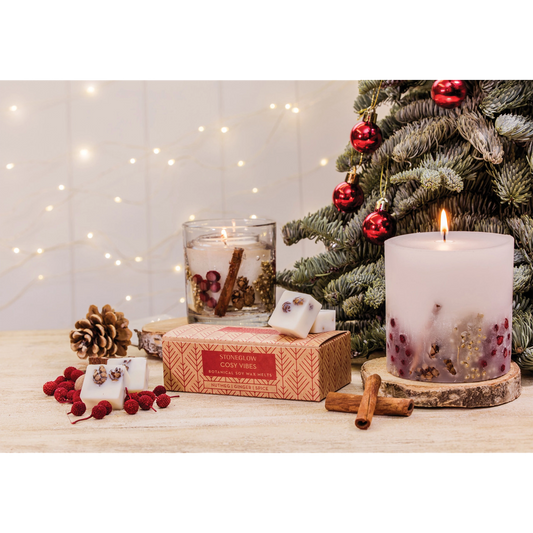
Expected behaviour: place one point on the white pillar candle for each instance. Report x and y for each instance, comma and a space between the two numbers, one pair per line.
449, 306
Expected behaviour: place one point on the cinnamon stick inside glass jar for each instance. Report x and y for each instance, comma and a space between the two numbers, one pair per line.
225, 295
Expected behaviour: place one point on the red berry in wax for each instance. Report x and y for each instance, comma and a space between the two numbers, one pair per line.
499, 339
401, 372
493, 352
508, 336
496, 327
403, 361
60, 379
390, 336
392, 358
393, 322
212, 303
197, 279
502, 368
402, 338
215, 286
408, 352
397, 348
483, 363
506, 324
204, 285
505, 353
204, 296
212, 275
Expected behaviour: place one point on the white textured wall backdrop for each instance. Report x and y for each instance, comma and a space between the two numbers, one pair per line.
77, 159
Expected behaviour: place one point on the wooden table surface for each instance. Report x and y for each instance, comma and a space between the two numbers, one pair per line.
33, 422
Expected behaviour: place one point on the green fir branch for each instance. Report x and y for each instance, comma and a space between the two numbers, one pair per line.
482, 136
512, 180
523, 338
507, 95
515, 127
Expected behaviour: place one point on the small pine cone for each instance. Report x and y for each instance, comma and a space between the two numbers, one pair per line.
242, 283
101, 334
237, 299
249, 296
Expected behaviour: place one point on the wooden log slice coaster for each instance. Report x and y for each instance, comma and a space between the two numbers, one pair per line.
151, 336
476, 394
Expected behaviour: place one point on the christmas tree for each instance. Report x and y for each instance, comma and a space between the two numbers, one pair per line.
467, 149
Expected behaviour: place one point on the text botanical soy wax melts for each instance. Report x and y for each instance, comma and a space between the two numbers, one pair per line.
104, 382
449, 305
295, 313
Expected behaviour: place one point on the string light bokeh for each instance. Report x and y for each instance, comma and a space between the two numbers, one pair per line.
99, 176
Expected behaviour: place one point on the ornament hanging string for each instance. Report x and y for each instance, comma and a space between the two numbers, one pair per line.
383, 187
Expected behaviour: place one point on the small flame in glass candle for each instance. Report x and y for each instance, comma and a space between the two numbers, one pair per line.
224, 237
443, 225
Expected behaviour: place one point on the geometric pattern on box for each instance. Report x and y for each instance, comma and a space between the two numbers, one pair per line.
298, 369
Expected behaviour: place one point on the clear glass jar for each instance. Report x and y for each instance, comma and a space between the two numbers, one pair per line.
230, 271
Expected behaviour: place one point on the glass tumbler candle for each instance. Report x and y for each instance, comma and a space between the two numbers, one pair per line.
230, 271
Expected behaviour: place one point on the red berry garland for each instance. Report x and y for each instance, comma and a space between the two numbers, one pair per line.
63, 391
146, 403
98, 412
61, 395
160, 390
107, 405
163, 400
78, 409
131, 406
49, 388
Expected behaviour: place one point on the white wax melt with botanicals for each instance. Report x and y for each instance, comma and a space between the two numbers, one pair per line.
104, 382
325, 321
295, 313
137, 372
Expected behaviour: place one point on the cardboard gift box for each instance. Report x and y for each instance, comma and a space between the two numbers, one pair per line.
255, 362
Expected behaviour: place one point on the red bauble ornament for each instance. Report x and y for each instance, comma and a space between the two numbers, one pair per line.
379, 225
366, 137
348, 197
448, 93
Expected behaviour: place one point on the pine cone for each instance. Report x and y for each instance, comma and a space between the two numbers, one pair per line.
101, 334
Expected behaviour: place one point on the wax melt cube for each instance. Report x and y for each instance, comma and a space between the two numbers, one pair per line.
295, 313
325, 321
104, 382
137, 372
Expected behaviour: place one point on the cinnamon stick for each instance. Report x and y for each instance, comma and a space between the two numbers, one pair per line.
98, 360
225, 295
349, 403
368, 402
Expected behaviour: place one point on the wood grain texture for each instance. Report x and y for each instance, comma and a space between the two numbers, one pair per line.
33, 422
468, 395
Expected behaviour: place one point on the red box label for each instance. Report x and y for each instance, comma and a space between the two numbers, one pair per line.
244, 365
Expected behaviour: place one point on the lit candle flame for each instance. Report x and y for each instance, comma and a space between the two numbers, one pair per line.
443, 225
224, 236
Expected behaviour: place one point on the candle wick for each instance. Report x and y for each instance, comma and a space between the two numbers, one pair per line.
444, 234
